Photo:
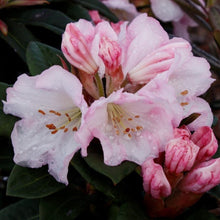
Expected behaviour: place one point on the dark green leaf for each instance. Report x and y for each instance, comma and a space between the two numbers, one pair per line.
7, 124
100, 182
7, 121
41, 56
65, 205
130, 211
189, 119
3, 87
18, 37
200, 213
116, 173
6, 155
97, 5
31, 183
50, 19
76, 12
26, 209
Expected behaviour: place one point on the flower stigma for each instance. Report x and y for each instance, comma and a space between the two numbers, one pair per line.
123, 122
65, 120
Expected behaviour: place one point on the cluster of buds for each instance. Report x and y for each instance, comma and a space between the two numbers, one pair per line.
180, 176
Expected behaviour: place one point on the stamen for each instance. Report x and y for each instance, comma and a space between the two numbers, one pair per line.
51, 126
123, 122
75, 129
68, 120
54, 112
54, 132
42, 112
67, 115
185, 92
184, 103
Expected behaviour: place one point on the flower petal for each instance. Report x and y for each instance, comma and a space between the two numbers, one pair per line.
34, 146
166, 10
144, 35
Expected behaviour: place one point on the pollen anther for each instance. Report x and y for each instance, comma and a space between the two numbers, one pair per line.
42, 112
184, 103
185, 92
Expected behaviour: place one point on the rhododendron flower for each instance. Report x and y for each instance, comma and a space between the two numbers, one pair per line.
51, 107
168, 10
130, 127
139, 53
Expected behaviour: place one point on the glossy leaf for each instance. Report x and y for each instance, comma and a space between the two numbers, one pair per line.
115, 173
65, 205
18, 37
128, 211
97, 5
31, 183
189, 119
7, 121
6, 155
52, 20
26, 209
76, 12
41, 56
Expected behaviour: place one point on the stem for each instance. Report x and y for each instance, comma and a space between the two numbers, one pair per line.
99, 85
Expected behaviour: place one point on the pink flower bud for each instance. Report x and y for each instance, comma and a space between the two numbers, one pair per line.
180, 155
155, 182
203, 177
76, 46
205, 139
94, 14
182, 132
3, 28
110, 52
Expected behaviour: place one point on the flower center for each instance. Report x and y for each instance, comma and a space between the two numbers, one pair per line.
64, 120
123, 122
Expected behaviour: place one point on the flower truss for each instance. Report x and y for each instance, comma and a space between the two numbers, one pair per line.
130, 87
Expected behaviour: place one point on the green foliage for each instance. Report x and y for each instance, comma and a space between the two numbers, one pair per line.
52, 20
97, 5
26, 209
66, 205
128, 211
7, 121
115, 173
18, 37
31, 183
41, 56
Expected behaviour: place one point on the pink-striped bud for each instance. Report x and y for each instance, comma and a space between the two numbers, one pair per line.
202, 178
180, 155
182, 132
76, 46
3, 28
110, 52
94, 14
155, 182
205, 139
